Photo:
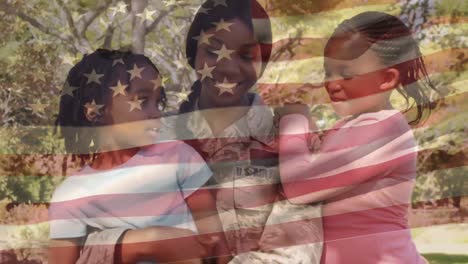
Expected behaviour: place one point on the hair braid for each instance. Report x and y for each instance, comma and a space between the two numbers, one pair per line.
392, 41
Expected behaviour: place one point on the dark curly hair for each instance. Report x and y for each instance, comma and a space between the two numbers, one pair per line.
72, 123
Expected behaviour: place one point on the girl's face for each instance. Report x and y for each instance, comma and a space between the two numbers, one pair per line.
355, 85
134, 114
236, 58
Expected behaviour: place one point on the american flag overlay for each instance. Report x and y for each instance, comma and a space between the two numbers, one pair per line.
233, 131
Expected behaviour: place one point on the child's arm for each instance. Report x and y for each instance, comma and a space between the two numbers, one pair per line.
203, 207
64, 251
193, 175
67, 232
368, 149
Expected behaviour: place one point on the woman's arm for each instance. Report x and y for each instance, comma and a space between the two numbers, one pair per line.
64, 251
368, 149
160, 244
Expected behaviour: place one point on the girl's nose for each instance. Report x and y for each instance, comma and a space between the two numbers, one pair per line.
333, 86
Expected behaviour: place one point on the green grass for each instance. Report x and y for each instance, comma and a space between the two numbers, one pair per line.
443, 244
415, 232
436, 258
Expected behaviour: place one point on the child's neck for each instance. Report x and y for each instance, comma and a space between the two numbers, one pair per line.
111, 159
386, 106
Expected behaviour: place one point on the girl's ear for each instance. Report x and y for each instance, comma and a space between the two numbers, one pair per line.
392, 79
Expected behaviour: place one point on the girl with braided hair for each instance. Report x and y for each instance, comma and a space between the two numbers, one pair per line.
229, 45
363, 169
133, 201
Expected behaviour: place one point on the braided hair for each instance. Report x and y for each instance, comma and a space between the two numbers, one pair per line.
78, 131
393, 43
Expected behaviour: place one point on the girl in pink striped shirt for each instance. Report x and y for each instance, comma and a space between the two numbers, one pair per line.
363, 169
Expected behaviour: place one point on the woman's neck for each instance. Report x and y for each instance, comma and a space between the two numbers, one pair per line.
219, 117
111, 159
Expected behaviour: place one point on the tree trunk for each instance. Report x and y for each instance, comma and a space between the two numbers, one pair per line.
139, 26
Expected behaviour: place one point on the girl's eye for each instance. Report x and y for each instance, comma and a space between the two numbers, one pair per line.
211, 52
247, 57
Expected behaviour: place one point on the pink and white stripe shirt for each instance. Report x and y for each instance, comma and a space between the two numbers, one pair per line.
364, 172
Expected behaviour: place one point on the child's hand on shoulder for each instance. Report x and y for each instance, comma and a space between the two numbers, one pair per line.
297, 108
289, 109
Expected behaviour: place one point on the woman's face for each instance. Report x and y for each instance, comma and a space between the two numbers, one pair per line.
228, 63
